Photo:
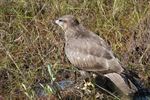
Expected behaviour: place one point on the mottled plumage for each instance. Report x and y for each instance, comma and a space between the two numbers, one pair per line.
86, 50
89, 52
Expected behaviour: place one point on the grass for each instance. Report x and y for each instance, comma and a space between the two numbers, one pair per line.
29, 41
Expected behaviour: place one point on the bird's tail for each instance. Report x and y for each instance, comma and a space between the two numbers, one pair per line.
121, 84
142, 93
129, 85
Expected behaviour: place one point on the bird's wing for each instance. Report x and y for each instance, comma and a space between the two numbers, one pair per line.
91, 54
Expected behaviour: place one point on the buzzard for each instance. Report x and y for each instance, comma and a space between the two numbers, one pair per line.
89, 52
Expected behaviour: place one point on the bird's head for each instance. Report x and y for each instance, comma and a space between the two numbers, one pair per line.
67, 21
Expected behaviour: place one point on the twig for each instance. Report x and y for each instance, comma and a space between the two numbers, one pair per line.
9, 55
107, 91
148, 46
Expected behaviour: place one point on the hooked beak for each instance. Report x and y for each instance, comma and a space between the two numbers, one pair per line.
57, 22
53, 22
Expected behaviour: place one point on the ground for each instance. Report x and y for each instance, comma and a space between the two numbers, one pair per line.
29, 41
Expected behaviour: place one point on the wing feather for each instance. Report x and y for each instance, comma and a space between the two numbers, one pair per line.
91, 54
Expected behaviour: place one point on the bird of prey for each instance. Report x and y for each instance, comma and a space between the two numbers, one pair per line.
89, 52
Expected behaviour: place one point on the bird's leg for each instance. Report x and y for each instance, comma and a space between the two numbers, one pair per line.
83, 74
88, 86
75, 77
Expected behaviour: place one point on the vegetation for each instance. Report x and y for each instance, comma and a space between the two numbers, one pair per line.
29, 41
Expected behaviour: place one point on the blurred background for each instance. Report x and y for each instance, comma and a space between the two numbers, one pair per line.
29, 41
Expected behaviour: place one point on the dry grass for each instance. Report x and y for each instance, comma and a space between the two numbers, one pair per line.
29, 41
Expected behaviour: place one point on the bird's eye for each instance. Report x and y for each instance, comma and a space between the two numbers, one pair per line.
61, 20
